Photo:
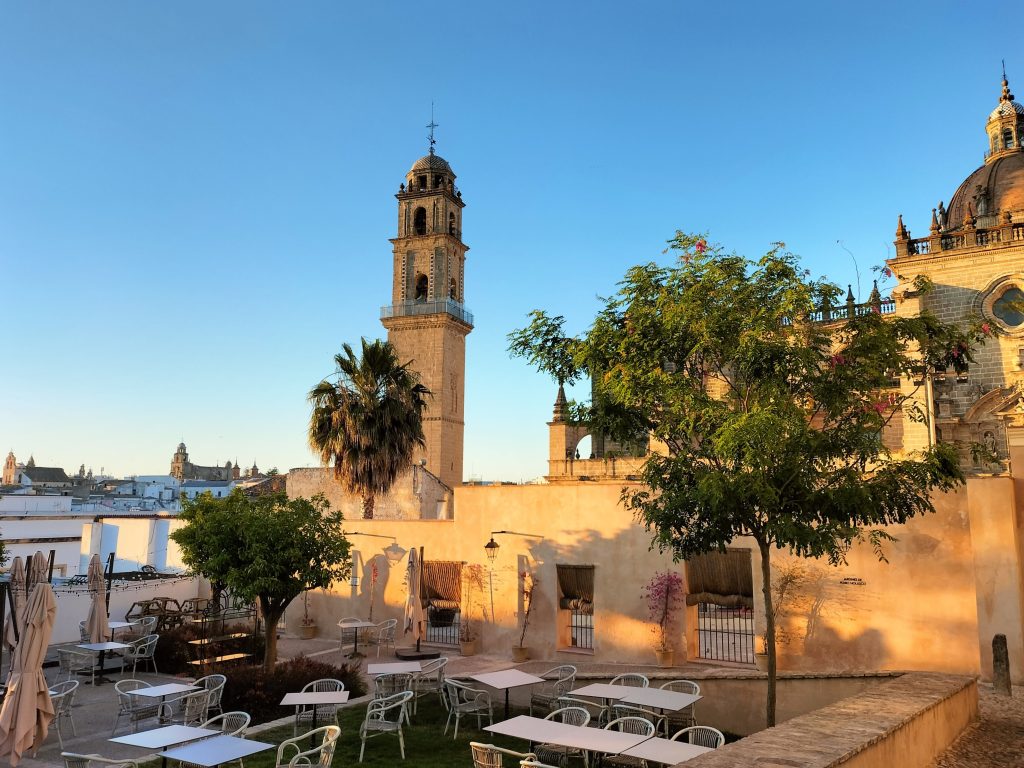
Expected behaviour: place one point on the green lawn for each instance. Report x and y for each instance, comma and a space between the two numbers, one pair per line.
426, 746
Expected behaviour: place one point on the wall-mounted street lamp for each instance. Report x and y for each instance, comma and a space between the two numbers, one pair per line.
392, 552
491, 547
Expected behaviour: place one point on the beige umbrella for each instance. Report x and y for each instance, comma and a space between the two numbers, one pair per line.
27, 711
413, 604
17, 616
96, 623
37, 570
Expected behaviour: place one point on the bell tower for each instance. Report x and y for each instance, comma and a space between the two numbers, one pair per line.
427, 320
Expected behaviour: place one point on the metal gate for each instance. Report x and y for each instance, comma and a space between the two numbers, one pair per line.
442, 626
725, 634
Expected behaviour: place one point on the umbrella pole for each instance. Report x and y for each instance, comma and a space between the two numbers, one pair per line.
109, 578
49, 566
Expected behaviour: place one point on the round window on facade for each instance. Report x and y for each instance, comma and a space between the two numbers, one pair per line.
1003, 303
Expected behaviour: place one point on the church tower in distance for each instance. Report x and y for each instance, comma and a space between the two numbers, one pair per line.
427, 321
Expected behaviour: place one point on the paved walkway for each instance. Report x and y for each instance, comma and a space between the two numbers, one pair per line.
996, 740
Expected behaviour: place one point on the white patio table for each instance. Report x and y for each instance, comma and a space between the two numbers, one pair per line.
393, 667
315, 699
102, 648
535, 729
355, 626
217, 750
665, 751
660, 699
505, 680
160, 738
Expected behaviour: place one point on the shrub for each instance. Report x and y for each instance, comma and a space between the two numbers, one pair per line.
173, 652
252, 690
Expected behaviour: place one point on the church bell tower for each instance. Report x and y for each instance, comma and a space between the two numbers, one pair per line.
427, 320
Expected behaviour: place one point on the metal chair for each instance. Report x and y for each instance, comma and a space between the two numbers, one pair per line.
229, 724
637, 725
554, 753
72, 662
384, 634
490, 756
139, 629
686, 716
599, 713
430, 679
535, 764
132, 707
190, 709
385, 716
215, 685
319, 756
701, 735
304, 712
560, 681
463, 700
83, 633
142, 650
348, 636
632, 710
633, 679
63, 698
75, 760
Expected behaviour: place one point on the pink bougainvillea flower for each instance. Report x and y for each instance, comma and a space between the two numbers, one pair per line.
887, 272
986, 329
701, 246
836, 360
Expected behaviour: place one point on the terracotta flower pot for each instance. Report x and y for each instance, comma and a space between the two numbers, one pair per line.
468, 647
520, 653
666, 656
761, 661
307, 631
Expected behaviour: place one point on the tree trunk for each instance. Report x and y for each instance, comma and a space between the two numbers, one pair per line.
769, 634
271, 616
368, 507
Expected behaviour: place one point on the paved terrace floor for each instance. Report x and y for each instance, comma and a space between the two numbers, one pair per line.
996, 740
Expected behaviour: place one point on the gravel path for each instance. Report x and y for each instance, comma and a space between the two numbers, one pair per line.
996, 740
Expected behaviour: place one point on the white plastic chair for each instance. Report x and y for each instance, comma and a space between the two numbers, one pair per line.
463, 700
63, 698
701, 735
384, 716
134, 708
304, 712
320, 756
560, 681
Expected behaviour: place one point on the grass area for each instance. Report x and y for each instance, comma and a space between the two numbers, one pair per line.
426, 746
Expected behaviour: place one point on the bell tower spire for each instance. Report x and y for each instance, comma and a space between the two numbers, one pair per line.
427, 320
1005, 125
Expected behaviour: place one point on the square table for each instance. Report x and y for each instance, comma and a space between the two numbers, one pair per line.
120, 624
355, 626
659, 698
565, 735
217, 750
314, 699
102, 648
160, 738
167, 689
394, 667
665, 751
505, 679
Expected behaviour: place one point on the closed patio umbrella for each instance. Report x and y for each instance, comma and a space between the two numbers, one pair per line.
413, 605
96, 623
17, 617
37, 570
27, 711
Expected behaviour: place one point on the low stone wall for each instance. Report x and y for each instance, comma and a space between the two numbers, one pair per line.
905, 723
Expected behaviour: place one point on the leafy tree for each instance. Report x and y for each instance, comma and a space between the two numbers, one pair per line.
369, 422
771, 422
268, 549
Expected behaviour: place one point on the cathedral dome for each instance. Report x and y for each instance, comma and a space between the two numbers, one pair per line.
1006, 108
998, 186
432, 163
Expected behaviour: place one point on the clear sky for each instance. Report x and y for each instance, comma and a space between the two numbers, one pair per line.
196, 198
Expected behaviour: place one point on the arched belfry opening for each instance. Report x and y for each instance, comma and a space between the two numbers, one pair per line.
453, 290
451, 223
422, 285
419, 221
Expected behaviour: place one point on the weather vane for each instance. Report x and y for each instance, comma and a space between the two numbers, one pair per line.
432, 125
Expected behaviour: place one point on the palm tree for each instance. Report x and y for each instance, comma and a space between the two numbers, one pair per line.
370, 422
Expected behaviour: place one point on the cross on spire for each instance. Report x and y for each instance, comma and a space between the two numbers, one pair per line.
432, 125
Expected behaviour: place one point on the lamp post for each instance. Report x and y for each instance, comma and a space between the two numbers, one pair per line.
491, 550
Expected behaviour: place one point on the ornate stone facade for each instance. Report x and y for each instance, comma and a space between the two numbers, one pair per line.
183, 469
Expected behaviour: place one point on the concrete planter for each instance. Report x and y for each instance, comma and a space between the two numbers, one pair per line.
307, 631
666, 657
468, 647
520, 653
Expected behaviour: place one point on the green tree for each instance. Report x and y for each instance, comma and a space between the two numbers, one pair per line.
369, 422
267, 549
772, 422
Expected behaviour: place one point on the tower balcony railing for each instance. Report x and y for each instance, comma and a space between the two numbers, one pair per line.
439, 307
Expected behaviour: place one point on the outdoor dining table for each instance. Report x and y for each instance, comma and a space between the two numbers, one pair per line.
102, 648
216, 750
163, 691
394, 667
355, 626
506, 679
167, 736
535, 729
314, 699
665, 751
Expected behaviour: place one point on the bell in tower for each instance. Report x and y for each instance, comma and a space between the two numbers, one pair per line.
427, 321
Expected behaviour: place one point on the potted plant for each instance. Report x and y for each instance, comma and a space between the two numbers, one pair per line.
473, 575
664, 596
307, 627
528, 589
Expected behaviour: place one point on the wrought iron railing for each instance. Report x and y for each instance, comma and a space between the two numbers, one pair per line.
725, 634
416, 308
442, 626
581, 629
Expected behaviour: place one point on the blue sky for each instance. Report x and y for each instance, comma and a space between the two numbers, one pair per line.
195, 198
